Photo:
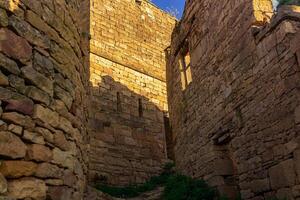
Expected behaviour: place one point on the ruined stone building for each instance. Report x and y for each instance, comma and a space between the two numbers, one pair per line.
87, 87
233, 87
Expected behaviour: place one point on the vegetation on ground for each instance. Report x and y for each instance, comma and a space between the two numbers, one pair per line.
177, 187
289, 2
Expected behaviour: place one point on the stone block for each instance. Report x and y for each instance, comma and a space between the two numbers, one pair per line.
259, 186
3, 185
297, 163
46, 115
31, 188
47, 170
21, 50
63, 158
8, 65
18, 130
11, 145
39, 153
24, 106
3, 80
38, 79
59, 193
19, 119
223, 167
17, 169
34, 137
282, 175
3, 18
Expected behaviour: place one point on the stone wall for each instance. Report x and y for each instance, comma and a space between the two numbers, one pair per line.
237, 123
127, 67
43, 87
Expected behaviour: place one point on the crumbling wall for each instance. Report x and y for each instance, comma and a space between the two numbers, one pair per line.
237, 123
43, 88
128, 39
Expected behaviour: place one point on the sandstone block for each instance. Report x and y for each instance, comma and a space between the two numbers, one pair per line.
63, 158
24, 106
19, 119
39, 153
282, 175
15, 129
37, 94
61, 141
48, 136
33, 137
9, 65
47, 170
297, 163
3, 80
21, 50
11, 145
258, 186
46, 115
3, 18
297, 115
64, 96
59, 193
38, 79
27, 188
54, 182
16, 169
3, 184
69, 178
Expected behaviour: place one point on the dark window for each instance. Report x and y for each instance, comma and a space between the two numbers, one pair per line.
119, 104
140, 108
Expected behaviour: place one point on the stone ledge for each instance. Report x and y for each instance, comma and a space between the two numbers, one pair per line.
284, 13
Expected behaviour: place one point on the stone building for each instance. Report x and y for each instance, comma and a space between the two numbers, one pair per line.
44, 82
80, 81
233, 90
128, 90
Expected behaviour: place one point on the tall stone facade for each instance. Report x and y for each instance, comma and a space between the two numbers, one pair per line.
127, 68
233, 89
43, 91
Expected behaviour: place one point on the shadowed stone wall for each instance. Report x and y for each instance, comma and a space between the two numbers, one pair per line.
128, 39
237, 123
43, 88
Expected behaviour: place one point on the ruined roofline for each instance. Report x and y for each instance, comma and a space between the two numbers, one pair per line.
158, 8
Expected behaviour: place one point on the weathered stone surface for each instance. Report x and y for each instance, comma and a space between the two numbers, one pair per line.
3, 184
38, 79
48, 136
27, 188
61, 141
24, 106
3, 80
282, 175
15, 129
297, 163
37, 94
63, 158
33, 137
11, 145
54, 182
59, 193
21, 50
46, 170
8, 65
39, 153
69, 178
46, 115
3, 18
19, 119
17, 169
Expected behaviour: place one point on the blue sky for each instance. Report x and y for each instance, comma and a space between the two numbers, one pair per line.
166, 4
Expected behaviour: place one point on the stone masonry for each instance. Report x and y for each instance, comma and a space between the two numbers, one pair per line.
43, 91
127, 80
236, 119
